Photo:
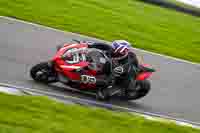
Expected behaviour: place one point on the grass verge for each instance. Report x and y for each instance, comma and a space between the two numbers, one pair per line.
28, 114
146, 26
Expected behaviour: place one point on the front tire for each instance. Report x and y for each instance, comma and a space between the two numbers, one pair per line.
42, 72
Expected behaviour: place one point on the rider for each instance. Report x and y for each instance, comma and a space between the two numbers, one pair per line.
124, 60
119, 50
127, 61
123, 54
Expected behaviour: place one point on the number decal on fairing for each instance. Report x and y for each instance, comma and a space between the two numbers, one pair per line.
88, 79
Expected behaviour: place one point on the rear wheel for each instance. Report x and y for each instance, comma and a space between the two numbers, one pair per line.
142, 88
43, 72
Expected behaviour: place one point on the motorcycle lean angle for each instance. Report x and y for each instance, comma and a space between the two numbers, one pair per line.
78, 66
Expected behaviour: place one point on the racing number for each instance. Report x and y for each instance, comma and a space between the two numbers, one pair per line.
88, 79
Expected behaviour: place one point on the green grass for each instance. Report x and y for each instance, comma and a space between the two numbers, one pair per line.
147, 26
30, 114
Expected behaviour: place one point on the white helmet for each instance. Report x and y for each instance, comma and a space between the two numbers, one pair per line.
121, 48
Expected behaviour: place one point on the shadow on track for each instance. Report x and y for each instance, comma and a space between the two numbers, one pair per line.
58, 88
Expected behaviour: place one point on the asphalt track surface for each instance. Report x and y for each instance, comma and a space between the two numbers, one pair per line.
175, 86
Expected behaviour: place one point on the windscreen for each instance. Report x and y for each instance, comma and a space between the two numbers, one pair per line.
96, 59
91, 55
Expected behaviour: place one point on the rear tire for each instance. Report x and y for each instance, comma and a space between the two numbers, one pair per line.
143, 90
42, 72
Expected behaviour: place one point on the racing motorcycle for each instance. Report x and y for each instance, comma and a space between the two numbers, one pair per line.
78, 66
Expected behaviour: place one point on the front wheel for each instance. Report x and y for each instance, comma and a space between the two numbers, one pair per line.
142, 89
42, 72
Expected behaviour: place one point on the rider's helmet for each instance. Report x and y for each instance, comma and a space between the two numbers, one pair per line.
120, 48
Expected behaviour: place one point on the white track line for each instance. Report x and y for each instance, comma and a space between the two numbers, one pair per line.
147, 115
57, 30
195, 3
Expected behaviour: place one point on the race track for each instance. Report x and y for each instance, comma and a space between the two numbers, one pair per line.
175, 87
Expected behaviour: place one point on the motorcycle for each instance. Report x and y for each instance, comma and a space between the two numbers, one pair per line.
78, 66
